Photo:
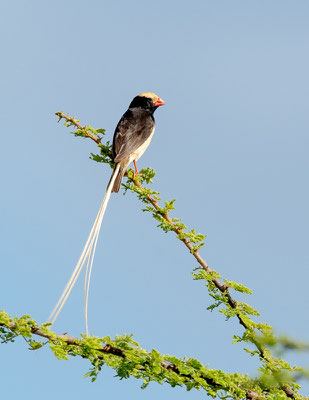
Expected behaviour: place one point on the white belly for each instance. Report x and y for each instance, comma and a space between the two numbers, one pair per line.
141, 150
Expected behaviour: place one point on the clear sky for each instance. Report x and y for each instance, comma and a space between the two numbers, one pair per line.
231, 145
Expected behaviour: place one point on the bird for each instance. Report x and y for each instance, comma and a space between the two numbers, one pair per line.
132, 136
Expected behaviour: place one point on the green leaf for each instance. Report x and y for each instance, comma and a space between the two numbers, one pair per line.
238, 286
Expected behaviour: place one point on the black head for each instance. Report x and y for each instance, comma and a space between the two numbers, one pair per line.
148, 101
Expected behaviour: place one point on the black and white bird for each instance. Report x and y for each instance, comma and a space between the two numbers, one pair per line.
132, 136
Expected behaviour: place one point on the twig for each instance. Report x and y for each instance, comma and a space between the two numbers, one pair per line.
75, 122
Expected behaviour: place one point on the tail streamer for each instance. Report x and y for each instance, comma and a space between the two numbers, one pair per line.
87, 256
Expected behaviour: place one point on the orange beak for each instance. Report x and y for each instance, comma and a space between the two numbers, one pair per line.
159, 102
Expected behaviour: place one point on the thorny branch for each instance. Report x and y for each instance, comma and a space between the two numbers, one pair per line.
195, 252
222, 287
108, 349
73, 121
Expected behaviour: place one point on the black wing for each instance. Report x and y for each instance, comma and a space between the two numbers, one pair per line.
133, 129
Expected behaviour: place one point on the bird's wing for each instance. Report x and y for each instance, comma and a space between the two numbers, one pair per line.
132, 131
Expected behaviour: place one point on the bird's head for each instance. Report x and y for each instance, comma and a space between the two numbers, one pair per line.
147, 100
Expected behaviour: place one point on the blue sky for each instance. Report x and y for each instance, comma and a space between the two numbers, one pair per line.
231, 145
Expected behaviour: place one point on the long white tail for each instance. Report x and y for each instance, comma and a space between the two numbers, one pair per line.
86, 256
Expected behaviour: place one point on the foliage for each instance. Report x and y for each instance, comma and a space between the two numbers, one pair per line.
127, 358
277, 378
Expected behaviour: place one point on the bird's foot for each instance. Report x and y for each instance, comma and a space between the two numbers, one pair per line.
136, 172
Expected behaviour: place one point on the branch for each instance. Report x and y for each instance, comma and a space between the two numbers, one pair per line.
189, 372
193, 242
222, 287
84, 131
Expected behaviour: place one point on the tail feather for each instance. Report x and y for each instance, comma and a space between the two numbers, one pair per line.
118, 180
86, 256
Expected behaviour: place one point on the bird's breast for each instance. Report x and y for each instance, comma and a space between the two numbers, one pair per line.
141, 149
